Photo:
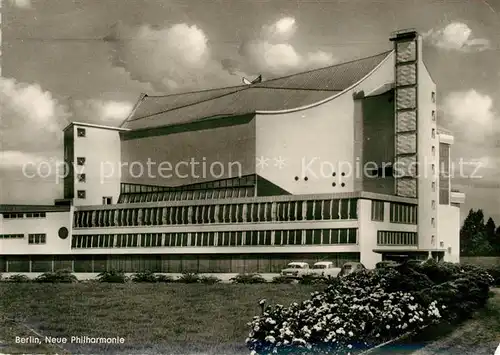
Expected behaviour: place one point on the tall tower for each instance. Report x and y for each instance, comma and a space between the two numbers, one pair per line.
416, 138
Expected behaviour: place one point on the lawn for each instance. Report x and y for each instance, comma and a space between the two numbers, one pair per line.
152, 318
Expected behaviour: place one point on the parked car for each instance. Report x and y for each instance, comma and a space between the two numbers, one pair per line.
325, 268
386, 264
296, 270
349, 268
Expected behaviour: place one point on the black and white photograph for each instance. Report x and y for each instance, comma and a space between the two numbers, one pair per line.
250, 177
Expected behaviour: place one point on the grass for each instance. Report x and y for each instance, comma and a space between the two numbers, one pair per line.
185, 318
152, 318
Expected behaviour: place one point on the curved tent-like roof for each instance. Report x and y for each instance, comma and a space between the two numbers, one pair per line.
283, 93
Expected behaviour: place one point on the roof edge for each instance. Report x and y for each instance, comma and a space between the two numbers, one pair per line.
92, 125
141, 98
333, 96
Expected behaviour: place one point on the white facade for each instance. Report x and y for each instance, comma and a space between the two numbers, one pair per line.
327, 207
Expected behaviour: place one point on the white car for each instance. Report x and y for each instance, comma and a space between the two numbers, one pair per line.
325, 269
296, 270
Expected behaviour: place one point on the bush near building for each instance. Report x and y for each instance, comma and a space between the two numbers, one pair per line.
368, 308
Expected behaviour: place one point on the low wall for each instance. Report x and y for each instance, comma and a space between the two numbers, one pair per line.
484, 261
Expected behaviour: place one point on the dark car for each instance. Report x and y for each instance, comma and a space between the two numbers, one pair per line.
412, 263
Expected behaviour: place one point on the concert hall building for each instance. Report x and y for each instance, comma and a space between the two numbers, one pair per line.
343, 163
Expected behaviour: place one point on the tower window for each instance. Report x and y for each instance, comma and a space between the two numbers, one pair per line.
81, 194
80, 161
433, 115
433, 134
433, 150
433, 97
82, 178
81, 132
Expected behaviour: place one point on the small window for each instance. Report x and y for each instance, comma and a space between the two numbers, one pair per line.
433, 186
433, 97
433, 115
433, 151
82, 178
80, 161
81, 194
433, 134
107, 200
433, 204
343, 184
81, 132
433, 222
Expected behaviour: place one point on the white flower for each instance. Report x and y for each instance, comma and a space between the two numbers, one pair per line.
270, 339
388, 326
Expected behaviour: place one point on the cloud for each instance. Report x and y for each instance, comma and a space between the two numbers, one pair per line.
171, 58
31, 117
283, 29
22, 4
471, 115
457, 36
273, 54
32, 121
100, 111
179, 57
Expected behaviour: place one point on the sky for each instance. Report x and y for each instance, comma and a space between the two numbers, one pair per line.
89, 60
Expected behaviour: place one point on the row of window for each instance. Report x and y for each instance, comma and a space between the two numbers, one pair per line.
230, 213
212, 263
39, 238
219, 193
396, 238
403, 213
213, 239
243, 181
11, 236
11, 215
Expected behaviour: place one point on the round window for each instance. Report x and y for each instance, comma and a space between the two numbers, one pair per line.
63, 232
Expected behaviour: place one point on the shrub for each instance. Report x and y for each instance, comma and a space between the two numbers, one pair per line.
282, 280
314, 280
210, 280
112, 276
189, 278
146, 276
248, 279
164, 278
367, 308
18, 278
495, 274
59, 276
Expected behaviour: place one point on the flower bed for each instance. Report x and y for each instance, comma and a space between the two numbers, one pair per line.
365, 309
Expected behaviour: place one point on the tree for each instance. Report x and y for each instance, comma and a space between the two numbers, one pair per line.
473, 235
490, 234
496, 244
